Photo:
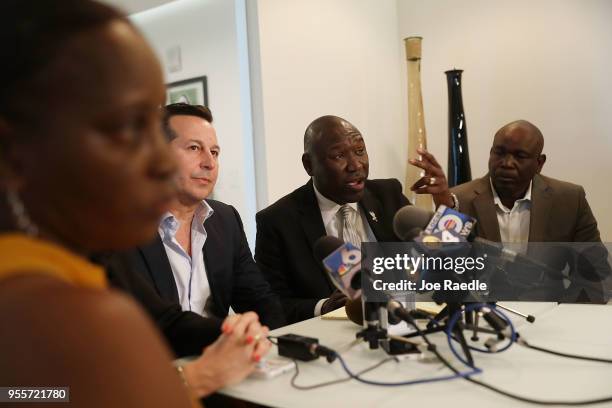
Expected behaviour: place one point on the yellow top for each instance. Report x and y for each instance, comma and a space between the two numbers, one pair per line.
21, 254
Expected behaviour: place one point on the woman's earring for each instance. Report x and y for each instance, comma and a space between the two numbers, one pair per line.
22, 219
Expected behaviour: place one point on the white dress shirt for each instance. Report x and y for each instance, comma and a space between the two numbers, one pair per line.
189, 271
333, 222
513, 223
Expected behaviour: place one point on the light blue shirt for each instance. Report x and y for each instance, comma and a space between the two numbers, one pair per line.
189, 271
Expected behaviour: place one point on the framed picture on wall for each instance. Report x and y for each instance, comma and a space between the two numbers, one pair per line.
192, 91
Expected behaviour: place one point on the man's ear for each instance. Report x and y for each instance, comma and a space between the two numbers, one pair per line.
541, 161
307, 163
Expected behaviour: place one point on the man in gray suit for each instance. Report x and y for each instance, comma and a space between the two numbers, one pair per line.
515, 204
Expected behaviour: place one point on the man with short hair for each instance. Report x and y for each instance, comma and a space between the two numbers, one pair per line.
200, 258
339, 200
514, 203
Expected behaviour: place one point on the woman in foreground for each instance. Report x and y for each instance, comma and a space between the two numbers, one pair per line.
84, 168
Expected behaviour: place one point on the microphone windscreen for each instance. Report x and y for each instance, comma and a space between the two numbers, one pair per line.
407, 219
354, 311
324, 246
412, 234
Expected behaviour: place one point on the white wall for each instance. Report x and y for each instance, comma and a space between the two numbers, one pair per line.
322, 57
213, 40
546, 61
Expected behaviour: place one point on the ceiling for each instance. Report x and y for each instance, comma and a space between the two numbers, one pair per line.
136, 6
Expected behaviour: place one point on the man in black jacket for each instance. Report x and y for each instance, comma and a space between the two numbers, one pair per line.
339, 200
187, 333
200, 258
223, 352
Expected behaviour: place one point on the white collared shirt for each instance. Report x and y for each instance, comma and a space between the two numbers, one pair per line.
513, 223
189, 271
333, 221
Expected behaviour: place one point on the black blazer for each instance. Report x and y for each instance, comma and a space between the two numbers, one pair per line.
187, 333
233, 276
288, 229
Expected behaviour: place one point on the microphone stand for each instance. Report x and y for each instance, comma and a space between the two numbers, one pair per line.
470, 323
372, 332
529, 318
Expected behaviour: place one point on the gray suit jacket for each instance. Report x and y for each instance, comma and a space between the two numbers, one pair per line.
559, 213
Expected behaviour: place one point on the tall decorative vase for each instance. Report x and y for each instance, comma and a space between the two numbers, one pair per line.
417, 137
458, 154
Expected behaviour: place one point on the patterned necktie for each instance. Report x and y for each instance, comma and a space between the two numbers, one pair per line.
349, 232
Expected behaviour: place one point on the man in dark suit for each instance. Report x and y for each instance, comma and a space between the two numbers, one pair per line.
186, 332
339, 200
200, 259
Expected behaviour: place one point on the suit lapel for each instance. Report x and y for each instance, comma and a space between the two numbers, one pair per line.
213, 250
374, 213
541, 202
485, 208
156, 259
311, 220
312, 224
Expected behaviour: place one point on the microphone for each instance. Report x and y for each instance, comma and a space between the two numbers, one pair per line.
325, 245
342, 261
511, 257
409, 218
399, 312
409, 221
354, 311
448, 219
396, 309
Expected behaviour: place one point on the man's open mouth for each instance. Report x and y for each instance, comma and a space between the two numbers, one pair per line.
356, 184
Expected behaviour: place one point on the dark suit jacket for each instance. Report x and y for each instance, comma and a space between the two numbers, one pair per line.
233, 276
559, 213
187, 333
288, 229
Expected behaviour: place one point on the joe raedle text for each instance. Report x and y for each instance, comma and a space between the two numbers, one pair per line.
446, 284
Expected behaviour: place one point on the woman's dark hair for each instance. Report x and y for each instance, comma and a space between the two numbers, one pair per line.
181, 108
32, 35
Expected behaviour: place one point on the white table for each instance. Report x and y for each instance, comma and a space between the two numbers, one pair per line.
581, 329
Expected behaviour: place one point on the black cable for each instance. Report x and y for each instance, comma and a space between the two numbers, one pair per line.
538, 402
519, 397
561, 354
341, 380
433, 349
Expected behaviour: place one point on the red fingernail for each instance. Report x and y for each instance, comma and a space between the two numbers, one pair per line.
250, 339
256, 358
